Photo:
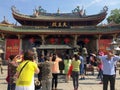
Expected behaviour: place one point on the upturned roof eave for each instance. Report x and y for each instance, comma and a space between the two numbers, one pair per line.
45, 18
59, 32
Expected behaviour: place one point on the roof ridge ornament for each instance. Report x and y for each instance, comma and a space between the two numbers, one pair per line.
80, 12
58, 11
40, 10
105, 9
4, 18
14, 10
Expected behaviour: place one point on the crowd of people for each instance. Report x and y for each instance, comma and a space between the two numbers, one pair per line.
23, 68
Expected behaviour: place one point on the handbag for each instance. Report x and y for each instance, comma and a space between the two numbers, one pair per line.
70, 71
37, 84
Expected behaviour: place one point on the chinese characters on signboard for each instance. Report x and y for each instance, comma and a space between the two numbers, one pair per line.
12, 47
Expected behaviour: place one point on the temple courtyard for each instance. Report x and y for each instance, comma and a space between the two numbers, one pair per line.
90, 83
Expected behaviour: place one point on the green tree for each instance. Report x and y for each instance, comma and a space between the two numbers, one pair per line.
114, 16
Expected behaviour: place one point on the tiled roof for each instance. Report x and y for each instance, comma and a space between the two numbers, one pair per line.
78, 30
46, 16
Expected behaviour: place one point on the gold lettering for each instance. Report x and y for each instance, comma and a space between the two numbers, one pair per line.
59, 24
54, 24
15, 47
9, 47
64, 24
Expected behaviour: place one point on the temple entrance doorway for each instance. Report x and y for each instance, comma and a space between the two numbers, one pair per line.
60, 52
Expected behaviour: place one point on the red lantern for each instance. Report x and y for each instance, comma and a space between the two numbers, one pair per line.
66, 40
52, 40
86, 40
32, 40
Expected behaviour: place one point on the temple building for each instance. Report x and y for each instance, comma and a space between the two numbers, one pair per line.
57, 32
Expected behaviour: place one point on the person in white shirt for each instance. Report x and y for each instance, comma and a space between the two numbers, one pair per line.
109, 62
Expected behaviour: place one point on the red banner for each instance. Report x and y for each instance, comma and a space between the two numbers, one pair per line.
12, 47
104, 44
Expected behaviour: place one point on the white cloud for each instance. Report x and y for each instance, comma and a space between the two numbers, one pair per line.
23, 0
111, 3
93, 2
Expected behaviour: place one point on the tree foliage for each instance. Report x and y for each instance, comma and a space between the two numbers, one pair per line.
114, 16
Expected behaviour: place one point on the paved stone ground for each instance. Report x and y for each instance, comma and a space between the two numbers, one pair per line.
91, 83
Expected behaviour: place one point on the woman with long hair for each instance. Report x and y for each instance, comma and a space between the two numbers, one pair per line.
55, 70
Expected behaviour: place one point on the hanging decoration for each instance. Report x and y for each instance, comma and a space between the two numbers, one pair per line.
32, 40
66, 40
52, 40
86, 40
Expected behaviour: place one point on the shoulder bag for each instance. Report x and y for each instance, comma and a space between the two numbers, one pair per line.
22, 68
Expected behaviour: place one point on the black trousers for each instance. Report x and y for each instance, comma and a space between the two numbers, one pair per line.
54, 80
106, 79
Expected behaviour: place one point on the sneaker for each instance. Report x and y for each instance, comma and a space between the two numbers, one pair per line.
55, 89
101, 83
83, 78
75, 88
98, 77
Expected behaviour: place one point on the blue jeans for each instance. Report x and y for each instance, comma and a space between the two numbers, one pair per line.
75, 76
101, 74
82, 69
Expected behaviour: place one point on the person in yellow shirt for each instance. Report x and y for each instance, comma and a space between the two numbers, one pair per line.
75, 71
25, 72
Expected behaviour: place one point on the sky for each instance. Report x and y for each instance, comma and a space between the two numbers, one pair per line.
51, 6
